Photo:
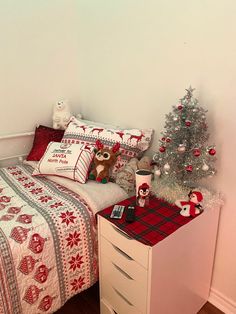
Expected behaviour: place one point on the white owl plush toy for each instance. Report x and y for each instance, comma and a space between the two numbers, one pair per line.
61, 115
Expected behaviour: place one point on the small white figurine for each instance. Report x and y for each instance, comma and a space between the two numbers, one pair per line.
192, 207
61, 115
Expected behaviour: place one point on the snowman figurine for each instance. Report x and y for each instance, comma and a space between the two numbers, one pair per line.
192, 207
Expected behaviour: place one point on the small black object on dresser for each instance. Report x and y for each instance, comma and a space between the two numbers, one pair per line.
130, 214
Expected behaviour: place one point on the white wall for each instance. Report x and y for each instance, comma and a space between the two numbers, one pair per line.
127, 62
38, 61
136, 59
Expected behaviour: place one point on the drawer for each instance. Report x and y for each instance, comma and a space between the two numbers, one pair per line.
119, 304
136, 250
123, 261
106, 308
134, 292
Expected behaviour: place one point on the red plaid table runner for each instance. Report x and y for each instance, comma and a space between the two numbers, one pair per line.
152, 224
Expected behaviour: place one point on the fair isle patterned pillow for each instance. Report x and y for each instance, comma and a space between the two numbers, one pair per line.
66, 160
133, 142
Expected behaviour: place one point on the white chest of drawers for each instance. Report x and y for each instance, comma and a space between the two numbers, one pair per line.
171, 277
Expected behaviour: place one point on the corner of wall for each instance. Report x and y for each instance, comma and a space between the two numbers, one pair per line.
223, 303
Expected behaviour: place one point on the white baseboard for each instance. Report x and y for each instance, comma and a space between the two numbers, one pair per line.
222, 302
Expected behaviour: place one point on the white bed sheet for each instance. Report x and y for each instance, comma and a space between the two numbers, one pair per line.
96, 195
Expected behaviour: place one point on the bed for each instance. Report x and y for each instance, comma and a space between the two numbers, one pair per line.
48, 238
48, 232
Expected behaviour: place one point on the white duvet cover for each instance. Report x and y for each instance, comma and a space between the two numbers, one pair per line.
48, 240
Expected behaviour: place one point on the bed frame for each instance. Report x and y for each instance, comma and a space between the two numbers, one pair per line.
46, 227
14, 147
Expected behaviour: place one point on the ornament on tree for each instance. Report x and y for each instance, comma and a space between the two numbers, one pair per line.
188, 151
205, 167
158, 172
168, 139
181, 148
162, 149
156, 158
167, 167
180, 107
212, 151
189, 168
196, 152
188, 123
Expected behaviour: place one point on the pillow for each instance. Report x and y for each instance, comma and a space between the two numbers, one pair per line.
133, 142
66, 160
103, 125
43, 135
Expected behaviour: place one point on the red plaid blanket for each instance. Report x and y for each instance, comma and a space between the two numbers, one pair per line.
152, 224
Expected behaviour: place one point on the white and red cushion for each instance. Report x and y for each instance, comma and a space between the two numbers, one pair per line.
133, 142
66, 160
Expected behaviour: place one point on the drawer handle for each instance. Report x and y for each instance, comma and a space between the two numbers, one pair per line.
122, 252
121, 295
122, 272
122, 233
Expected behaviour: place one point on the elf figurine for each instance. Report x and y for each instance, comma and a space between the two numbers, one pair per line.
192, 207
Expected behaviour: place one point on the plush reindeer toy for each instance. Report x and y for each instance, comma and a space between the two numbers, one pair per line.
104, 160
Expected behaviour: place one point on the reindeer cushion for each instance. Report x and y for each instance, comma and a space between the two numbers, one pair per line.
133, 142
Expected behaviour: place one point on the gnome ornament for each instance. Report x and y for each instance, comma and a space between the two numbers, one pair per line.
192, 206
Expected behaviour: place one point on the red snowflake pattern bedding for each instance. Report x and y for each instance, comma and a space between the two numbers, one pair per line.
48, 245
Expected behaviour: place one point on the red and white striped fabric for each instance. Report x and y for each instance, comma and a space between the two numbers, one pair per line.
66, 160
133, 142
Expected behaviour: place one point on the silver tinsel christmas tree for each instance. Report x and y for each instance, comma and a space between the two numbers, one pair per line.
184, 157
